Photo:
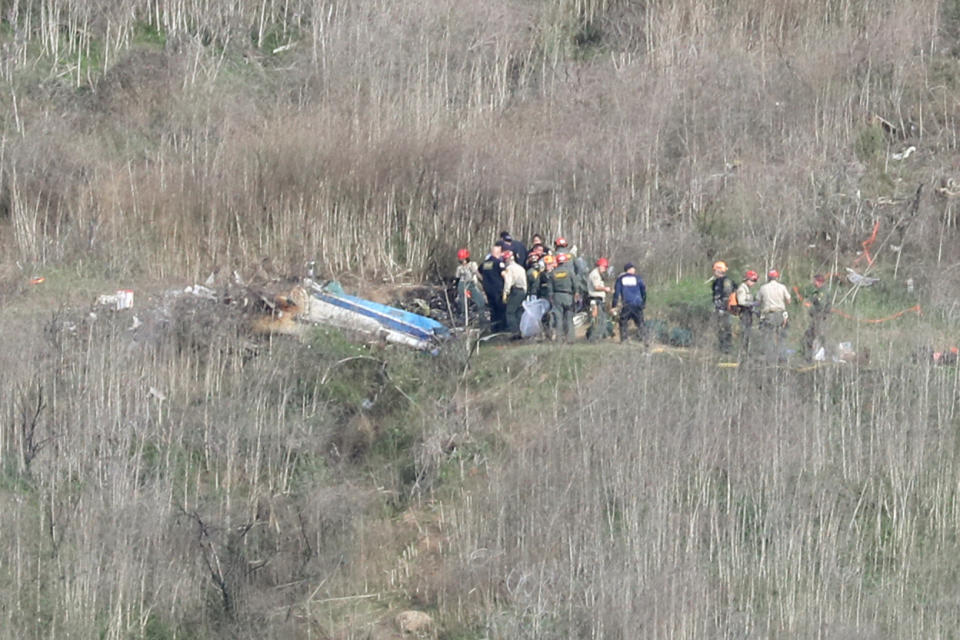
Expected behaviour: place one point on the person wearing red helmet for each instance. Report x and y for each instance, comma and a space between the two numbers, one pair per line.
772, 301
597, 293
722, 287
746, 304
545, 289
468, 287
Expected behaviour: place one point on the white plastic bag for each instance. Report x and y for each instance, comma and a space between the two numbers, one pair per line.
533, 311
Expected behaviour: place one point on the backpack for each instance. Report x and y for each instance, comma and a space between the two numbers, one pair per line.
733, 307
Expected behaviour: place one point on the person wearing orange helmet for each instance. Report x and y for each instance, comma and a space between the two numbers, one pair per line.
746, 304
722, 287
469, 292
772, 300
597, 293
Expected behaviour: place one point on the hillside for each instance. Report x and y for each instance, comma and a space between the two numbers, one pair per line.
182, 478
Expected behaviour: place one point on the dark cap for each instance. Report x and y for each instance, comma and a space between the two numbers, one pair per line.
504, 235
628, 266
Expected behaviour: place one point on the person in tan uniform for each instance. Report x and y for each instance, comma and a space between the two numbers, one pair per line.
514, 292
747, 304
469, 291
772, 301
597, 292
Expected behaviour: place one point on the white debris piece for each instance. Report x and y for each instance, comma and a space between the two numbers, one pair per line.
860, 280
122, 299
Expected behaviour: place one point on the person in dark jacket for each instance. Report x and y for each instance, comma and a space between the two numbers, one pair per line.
491, 272
633, 292
517, 247
722, 287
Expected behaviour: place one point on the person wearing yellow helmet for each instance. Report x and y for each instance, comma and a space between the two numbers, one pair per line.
722, 286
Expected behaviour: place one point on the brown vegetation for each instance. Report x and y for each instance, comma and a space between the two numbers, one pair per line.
182, 480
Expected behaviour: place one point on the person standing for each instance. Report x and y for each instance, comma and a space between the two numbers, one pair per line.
772, 300
633, 292
534, 270
722, 287
546, 292
517, 247
468, 286
563, 286
491, 273
597, 292
747, 304
815, 336
514, 292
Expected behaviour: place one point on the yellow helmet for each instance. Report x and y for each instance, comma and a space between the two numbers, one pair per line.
720, 265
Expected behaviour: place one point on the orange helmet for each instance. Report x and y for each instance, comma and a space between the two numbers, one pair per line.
603, 263
463, 254
560, 242
751, 275
549, 259
720, 266
563, 257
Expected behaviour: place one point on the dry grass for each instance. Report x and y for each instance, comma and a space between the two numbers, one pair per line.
187, 483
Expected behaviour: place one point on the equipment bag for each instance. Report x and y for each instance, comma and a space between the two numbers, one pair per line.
733, 307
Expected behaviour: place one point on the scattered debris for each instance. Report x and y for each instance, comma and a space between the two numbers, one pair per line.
413, 621
860, 280
37, 280
903, 155
122, 299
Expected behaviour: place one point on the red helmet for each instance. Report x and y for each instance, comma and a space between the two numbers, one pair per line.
603, 263
563, 257
508, 255
463, 254
751, 275
773, 274
560, 242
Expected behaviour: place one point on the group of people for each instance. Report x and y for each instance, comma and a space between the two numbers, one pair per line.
495, 289
769, 307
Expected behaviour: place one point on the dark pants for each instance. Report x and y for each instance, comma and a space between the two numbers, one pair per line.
774, 328
498, 311
470, 295
563, 304
724, 330
514, 309
746, 331
813, 337
599, 322
628, 313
